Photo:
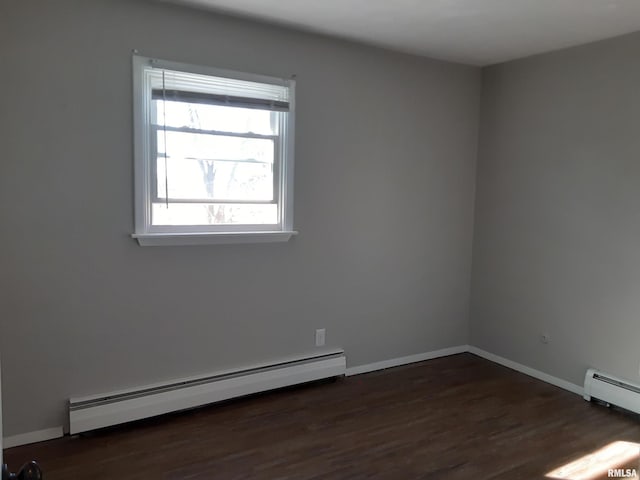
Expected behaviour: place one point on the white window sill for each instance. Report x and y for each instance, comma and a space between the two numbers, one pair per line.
170, 239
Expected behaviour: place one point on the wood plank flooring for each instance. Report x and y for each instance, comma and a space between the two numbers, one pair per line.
459, 417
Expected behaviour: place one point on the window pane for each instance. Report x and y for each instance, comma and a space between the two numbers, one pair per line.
215, 180
215, 167
214, 147
216, 117
213, 214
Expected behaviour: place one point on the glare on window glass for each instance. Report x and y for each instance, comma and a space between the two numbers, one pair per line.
216, 117
213, 214
214, 147
214, 180
201, 167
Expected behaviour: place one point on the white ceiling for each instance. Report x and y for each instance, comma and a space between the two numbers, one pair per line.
477, 32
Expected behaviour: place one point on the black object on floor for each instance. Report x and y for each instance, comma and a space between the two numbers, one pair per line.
29, 471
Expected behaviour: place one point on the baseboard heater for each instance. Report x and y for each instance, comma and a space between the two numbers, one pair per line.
98, 411
611, 390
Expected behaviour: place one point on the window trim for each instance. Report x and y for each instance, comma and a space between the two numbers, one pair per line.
154, 235
168, 239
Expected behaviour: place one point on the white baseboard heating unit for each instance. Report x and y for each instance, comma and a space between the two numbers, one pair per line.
98, 411
611, 390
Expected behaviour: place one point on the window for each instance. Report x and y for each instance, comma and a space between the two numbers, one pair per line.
213, 155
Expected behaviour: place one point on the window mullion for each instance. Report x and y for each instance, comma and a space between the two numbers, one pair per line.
216, 201
220, 133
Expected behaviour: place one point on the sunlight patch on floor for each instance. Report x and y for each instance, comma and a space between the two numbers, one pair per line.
621, 457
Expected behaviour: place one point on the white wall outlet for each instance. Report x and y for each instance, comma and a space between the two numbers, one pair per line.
545, 338
321, 334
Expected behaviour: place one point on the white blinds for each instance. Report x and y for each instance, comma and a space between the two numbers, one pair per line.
197, 88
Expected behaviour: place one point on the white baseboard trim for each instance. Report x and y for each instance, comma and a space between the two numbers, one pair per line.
57, 432
396, 362
421, 357
32, 437
545, 377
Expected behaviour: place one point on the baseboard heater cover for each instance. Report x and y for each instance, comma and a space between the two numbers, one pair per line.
611, 390
98, 411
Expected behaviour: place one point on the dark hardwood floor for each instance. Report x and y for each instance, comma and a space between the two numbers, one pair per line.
459, 417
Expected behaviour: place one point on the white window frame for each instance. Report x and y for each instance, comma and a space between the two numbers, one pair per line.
155, 235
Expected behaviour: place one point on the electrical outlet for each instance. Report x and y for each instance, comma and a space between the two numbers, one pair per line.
320, 337
545, 338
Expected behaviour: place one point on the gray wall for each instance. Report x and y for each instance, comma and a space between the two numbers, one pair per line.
557, 235
385, 165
